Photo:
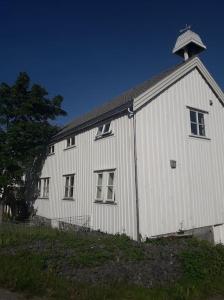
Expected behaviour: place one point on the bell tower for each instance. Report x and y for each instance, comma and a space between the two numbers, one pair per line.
188, 44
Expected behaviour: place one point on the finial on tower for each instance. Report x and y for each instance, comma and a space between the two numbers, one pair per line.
187, 27
188, 43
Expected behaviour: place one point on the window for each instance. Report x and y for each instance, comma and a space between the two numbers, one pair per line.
197, 123
70, 142
51, 149
43, 187
105, 191
103, 130
69, 186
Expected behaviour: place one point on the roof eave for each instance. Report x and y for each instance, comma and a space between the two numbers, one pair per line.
93, 122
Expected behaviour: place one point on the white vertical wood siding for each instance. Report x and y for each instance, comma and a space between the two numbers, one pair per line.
218, 232
192, 195
116, 152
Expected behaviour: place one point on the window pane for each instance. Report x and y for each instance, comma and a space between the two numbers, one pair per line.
68, 142
107, 127
47, 187
201, 118
39, 188
100, 130
67, 181
66, 192
194, 128
73, 140
100, 179
202, 130
51, 149
71, 192
110, 193
99, 192
111, 179
193, 116
72, 180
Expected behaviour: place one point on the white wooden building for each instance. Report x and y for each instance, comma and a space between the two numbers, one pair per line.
148, 163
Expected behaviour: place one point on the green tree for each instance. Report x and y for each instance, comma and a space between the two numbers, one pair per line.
26, 115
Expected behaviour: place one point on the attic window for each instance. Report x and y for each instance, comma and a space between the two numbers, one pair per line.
197, 121
70, 142
103, 130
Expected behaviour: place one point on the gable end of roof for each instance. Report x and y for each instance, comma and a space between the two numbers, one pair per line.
184, 69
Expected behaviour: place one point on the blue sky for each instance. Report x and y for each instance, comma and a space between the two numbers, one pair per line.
91, 51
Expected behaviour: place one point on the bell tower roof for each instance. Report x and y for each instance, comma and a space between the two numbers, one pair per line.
188, 44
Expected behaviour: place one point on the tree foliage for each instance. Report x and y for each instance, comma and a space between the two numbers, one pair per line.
26, 115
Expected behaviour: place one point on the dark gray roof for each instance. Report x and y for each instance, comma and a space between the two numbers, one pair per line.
115, 106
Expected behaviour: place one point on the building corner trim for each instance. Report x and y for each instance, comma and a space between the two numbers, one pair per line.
132, 115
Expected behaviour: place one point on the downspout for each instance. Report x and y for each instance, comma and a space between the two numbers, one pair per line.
131, 114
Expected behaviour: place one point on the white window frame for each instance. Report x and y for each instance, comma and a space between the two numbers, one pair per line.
197, 123
105, 186
69, 186
103, 131
70, 142
51, 150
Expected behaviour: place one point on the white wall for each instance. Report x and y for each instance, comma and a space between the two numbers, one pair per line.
191, 195
110, 152
218, 232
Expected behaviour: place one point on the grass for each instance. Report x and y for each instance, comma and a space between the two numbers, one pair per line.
31, 260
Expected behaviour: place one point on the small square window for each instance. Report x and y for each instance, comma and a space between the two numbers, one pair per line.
70, 141
103, 130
